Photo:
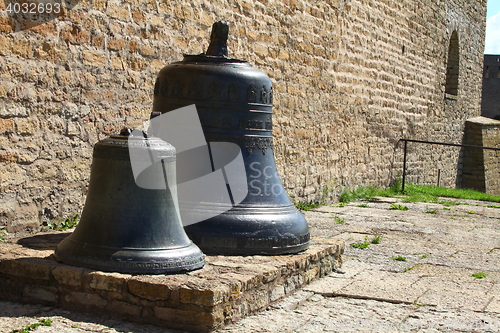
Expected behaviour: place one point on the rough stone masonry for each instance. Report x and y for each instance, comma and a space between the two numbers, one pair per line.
351, 77
226, 289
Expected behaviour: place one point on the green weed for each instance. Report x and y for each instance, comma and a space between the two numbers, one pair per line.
363, 205
363, 245
69, 223
368, 193
431, 211
412, 267
3, 233
26, 329
366, 244
307, 205
377, 239
399, 258
422, 256
62, 225
479, 275
450, 203
398, 207
338, 220
364, 193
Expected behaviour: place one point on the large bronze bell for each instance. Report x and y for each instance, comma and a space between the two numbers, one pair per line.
234, 104
131, 221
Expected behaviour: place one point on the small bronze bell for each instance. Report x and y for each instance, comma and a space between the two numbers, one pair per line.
131, 221
234, 105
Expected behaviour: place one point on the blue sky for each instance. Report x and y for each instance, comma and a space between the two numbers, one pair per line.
493, 8
493, 28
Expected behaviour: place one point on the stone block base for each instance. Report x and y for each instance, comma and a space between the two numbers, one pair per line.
227, 289
481, 166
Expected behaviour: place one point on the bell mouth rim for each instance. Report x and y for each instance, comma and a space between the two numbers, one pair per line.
202, 57
131, 261
84, 244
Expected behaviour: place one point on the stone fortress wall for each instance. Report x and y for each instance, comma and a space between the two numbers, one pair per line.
351, 77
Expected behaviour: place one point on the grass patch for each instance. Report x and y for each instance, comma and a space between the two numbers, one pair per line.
399, 258
3, 233
26, 329
363, 205
367, 192
419, 197
450, 203
457, 193
422, 255
377, 239
493, 206
417, 193
479, 275
407, 269
338, 220
69, 223
366, 244
62, 225
398, 207
431, 211
307, 205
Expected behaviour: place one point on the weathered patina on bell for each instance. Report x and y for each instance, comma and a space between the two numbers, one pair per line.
234, 104
131, 222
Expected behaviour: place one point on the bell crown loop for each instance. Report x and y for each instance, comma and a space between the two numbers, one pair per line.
218, 40
216, 51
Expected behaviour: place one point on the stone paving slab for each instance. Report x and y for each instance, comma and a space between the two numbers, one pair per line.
385, 286
494, 305
451, 294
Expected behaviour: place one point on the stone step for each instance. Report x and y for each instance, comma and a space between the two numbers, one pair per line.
227, 289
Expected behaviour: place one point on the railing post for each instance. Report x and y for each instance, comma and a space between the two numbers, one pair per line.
404, 167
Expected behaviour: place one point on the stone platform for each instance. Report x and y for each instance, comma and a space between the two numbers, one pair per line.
227, 289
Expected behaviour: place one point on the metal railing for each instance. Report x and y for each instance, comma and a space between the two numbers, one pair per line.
432, 143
